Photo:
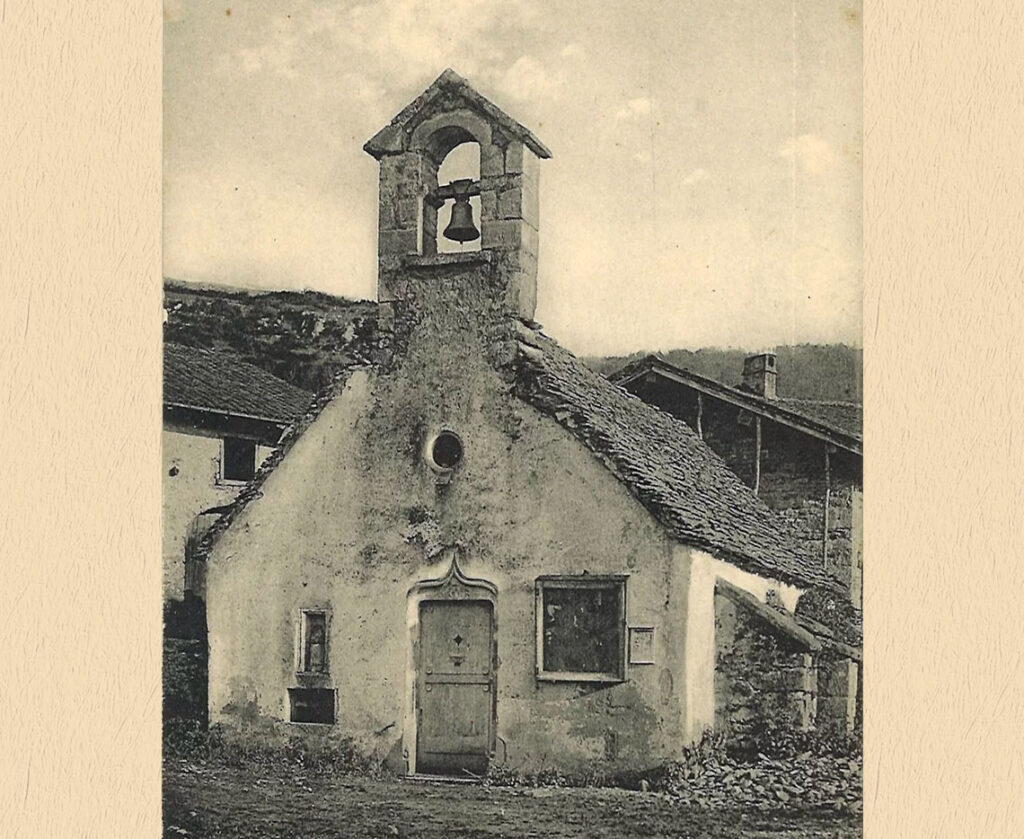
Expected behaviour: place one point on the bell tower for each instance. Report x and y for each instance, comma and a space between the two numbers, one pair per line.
411, 149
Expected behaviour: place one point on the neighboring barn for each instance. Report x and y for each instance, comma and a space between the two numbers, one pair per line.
473, 550
221, 418
802, 457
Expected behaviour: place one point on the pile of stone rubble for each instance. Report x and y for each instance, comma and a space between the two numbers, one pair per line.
803, 781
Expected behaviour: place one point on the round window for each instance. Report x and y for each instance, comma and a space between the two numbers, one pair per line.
446, 450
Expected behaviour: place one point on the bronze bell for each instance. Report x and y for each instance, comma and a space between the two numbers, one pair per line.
461, 227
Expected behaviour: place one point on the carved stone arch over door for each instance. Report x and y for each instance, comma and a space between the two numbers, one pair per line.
455, 687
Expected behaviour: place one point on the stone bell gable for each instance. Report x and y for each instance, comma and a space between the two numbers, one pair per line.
411, 149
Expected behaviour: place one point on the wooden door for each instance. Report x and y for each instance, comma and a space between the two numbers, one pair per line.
455, 687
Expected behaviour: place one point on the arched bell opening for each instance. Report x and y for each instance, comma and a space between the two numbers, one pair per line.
459, 216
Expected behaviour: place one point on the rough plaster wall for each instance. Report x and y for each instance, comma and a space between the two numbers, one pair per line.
193, 489
704, 570
353, 517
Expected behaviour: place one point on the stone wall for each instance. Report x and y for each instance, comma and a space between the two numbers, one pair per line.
838, 686
764, 681
184, 680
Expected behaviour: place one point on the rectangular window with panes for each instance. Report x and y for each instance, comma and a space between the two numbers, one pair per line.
581, 628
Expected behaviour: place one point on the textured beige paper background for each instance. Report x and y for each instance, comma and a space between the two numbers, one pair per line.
79, 409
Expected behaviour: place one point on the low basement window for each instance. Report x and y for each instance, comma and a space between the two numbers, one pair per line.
581, 628
238, 459
312, 705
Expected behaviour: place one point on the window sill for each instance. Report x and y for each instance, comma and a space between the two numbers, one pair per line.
317, 724
224, 483
453, 258
606, 678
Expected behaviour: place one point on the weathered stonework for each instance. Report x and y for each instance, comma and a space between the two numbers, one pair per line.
793, 473
765, 680
411, 150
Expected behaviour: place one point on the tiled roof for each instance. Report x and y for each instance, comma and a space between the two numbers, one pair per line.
222, 383
660, 459
842, 416
663, 463
837, 422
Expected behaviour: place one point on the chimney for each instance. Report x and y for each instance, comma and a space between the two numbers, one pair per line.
759, 374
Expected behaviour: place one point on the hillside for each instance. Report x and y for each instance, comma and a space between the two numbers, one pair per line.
829, 372
302, 337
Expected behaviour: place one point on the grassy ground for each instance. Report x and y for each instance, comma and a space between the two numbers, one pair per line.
207, 800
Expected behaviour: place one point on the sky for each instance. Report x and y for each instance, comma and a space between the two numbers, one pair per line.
705, 187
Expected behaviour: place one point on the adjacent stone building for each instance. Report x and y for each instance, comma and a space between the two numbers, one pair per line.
802, 457
474, 551
221, 418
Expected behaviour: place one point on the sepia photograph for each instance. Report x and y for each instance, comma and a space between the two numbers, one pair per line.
512, 442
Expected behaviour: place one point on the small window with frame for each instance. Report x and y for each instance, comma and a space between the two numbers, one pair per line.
238, 460
313, 655
581, 628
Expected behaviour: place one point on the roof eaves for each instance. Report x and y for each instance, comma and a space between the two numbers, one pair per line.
275, 419
652, 364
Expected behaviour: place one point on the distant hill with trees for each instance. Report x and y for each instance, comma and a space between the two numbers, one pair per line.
305, 337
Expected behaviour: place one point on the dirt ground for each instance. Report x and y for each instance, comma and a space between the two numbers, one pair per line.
203, 800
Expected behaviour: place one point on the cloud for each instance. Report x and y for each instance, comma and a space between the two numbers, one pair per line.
527, 78
276, 55
636, 109
573, 51
814, 154
696, 176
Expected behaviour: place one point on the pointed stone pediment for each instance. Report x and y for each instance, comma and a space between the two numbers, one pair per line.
455, 585
449, 92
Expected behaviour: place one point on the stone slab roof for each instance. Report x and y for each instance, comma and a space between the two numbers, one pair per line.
389, 139
847, 417
664, 464
839, 423
224, 384
682, 482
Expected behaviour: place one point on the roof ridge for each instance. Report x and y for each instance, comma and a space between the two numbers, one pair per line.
384, 141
